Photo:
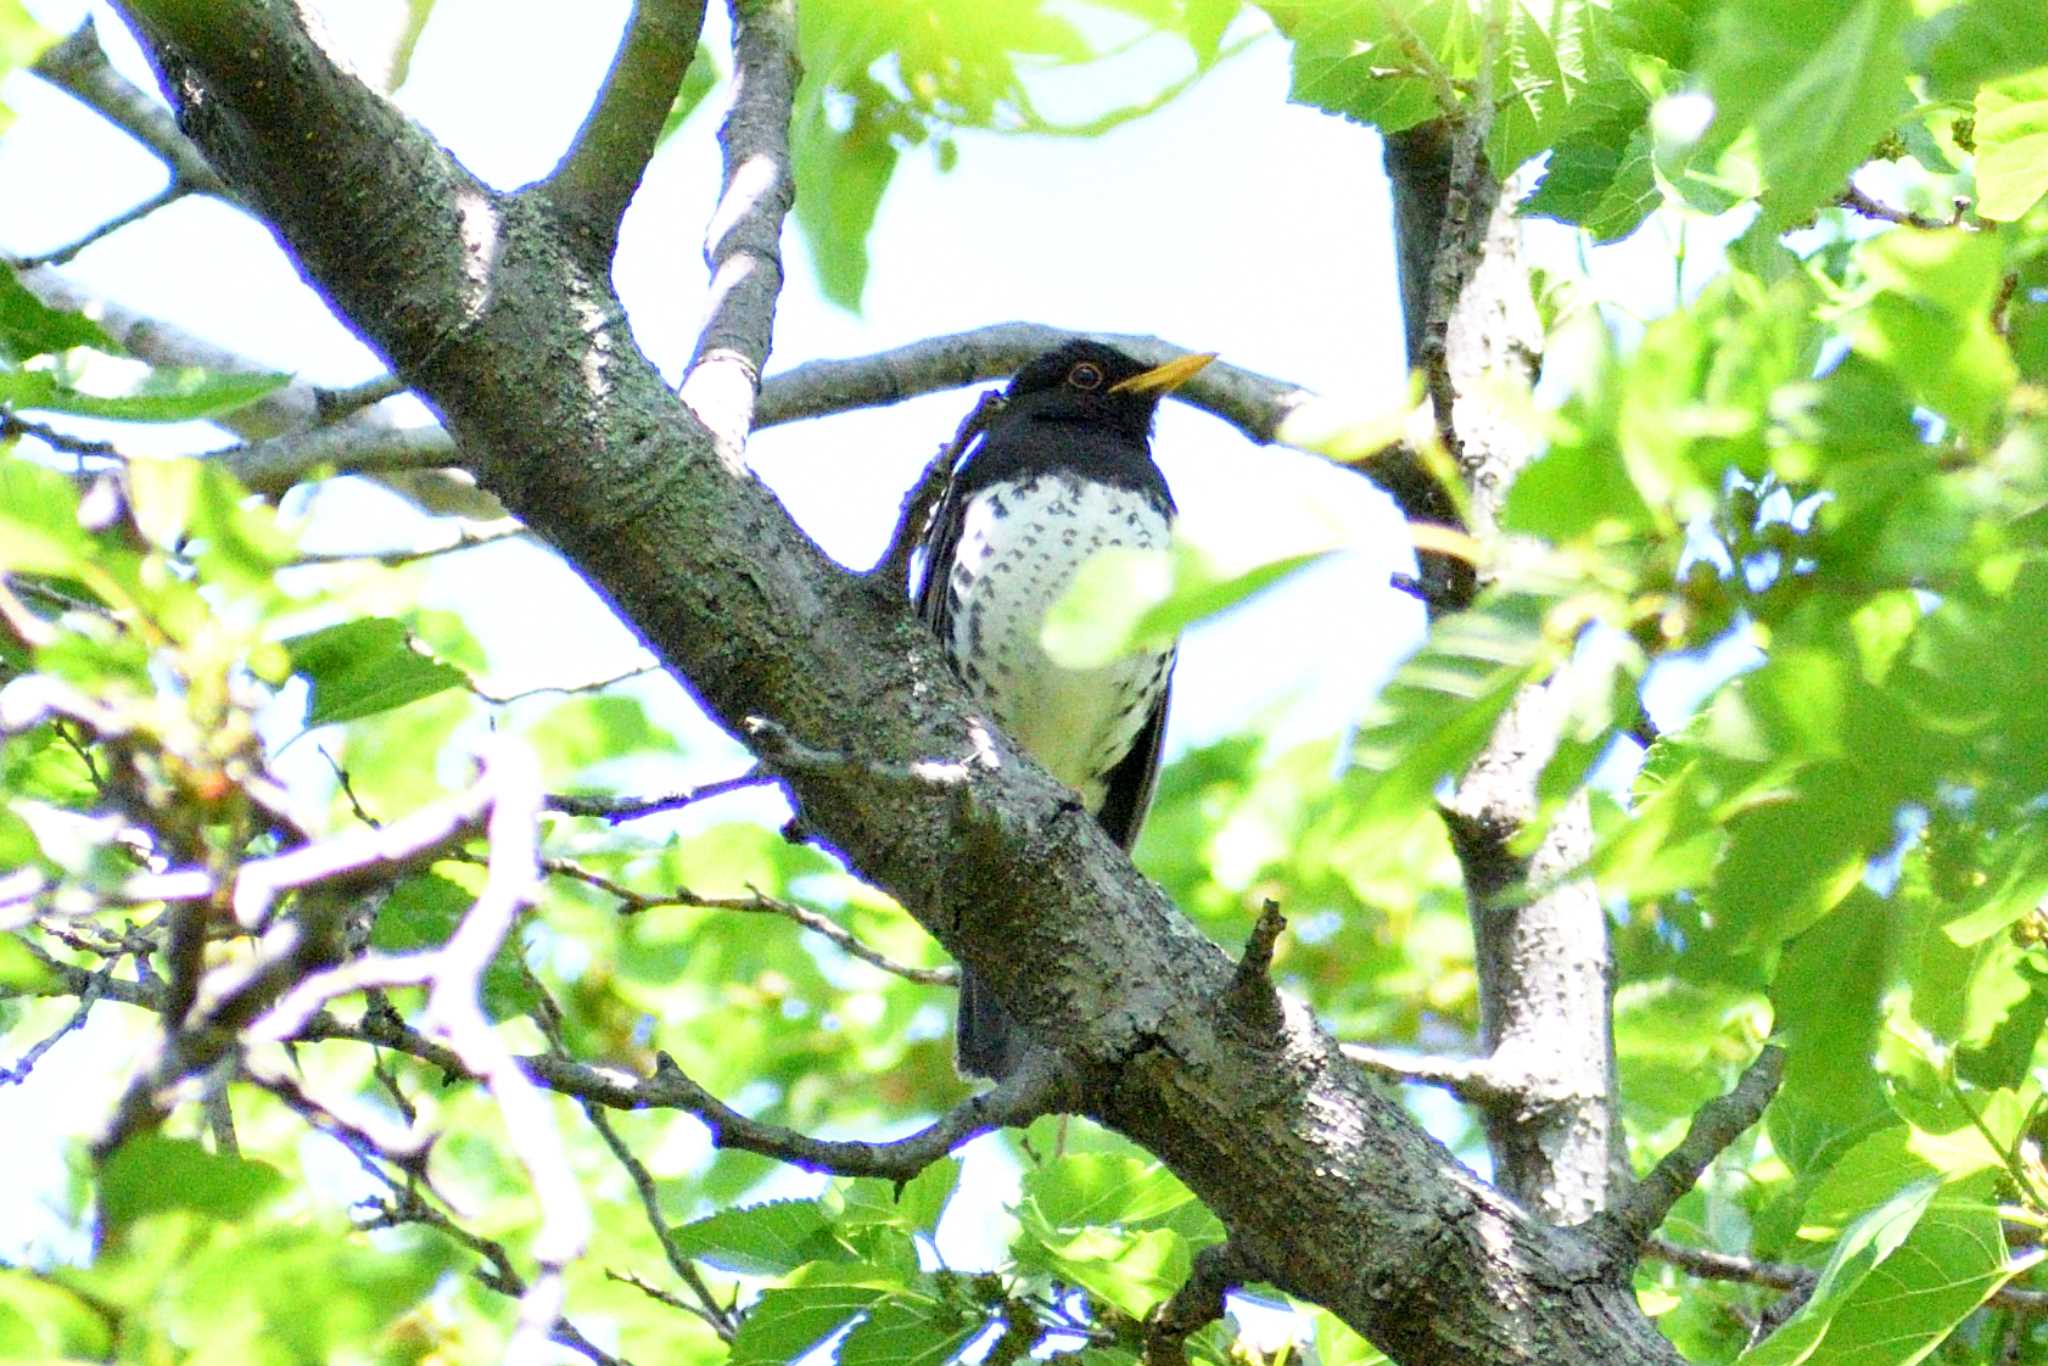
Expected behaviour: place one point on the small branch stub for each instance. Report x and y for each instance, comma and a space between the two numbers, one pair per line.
1252, 997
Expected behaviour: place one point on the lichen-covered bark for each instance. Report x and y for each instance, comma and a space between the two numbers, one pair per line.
524, 352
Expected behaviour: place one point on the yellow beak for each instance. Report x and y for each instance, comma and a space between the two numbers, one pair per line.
1164, 379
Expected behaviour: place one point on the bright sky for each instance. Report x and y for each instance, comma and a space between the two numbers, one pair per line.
1230, 221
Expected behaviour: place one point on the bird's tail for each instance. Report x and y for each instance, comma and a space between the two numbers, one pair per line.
987, 1042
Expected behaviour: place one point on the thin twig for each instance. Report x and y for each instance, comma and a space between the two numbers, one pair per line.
1856, 201
58, 256
617, 810
707, 1306
333, 405
633, 902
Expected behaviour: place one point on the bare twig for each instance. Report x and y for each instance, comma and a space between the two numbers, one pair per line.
1040, 1088
78, 66
58, 256
465, 539
1856, 201
1253, 403
618, 810
12, 425
632, 902
892, 572
455, 1012
742, 244
596, 177
563, 689
706, 1306
1719, 1123
95, 987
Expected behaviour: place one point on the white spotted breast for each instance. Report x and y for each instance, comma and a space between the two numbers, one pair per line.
1020, 545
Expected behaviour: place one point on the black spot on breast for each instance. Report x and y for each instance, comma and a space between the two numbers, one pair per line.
997, 507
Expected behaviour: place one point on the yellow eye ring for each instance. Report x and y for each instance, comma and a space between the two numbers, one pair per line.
1086, 375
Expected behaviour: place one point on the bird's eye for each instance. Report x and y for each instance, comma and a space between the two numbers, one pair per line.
1086, 375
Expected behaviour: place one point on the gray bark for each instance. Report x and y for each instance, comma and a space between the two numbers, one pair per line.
1545, 968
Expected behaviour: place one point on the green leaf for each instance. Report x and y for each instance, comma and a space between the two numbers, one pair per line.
1350, 58
173, 394
422, 912
28, 326
1124, 599
840, 178
43, 1321
2012, 145
1868, 1242
768, 1239
150, 1174
1929, 320
293, 1311
789, 1321
913, 1206
1440, 708
909, 1330
1085, 1189
1819, 82
1966, 44
39, 530
1826, 997
21, 972
1135, 1271
363, 667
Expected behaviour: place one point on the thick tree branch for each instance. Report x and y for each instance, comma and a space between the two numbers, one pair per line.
1318, 1175
596, 178
743, 244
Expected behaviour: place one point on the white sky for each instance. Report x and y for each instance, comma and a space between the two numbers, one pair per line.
1230, 221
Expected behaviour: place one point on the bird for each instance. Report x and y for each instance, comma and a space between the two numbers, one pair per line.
1061, 470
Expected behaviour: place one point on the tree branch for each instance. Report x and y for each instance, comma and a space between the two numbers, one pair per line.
743, 243
617, 810
1719, 1123
1253, 403
1319, 1175
596, 177
79, 67
1471, 1080
755, 903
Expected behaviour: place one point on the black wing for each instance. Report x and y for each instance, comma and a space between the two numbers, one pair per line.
941, 543
1129, 791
